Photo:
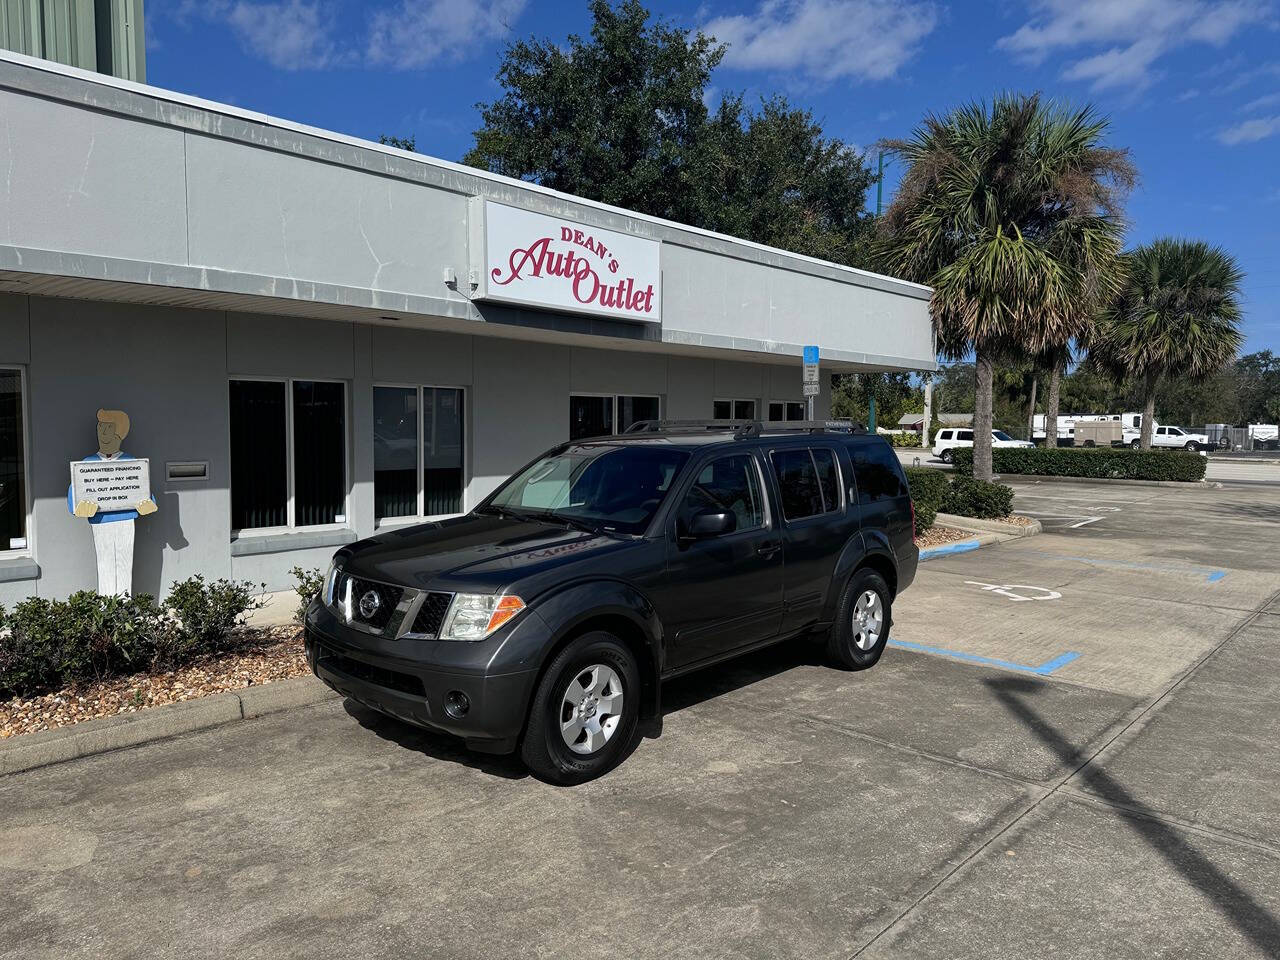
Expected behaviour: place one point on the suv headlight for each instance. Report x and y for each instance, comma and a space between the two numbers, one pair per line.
326, 593
473, 616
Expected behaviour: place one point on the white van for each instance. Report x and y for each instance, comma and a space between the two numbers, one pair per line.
949, 438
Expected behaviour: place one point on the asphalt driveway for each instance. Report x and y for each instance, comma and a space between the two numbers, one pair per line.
966, 801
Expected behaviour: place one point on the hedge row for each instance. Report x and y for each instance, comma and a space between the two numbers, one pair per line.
907, 439
47, 644
934, 491
1101, 463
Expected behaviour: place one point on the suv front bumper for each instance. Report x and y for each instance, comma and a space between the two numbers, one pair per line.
410, 679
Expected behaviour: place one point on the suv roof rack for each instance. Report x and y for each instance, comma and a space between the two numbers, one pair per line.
745, 428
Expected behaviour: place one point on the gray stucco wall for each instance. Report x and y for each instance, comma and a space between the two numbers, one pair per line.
141, 182
169, 368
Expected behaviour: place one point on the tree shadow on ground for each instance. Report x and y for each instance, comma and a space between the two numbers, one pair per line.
1233, 901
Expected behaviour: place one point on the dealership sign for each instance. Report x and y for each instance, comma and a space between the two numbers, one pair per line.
534, 260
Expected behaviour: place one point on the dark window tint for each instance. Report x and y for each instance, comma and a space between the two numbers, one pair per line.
797, 483
633, 409
442, 453
395, 451
877, 471
13, 496
590, 417
786, 410
319, 452
259, 451
730, 484
828, 478
966, 434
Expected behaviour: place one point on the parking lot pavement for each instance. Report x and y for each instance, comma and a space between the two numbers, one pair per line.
1120, 804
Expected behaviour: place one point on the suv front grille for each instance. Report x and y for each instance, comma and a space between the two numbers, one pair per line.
431, 615
369, 673
371, 603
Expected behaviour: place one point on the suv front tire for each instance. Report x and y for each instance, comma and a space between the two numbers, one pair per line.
584, 714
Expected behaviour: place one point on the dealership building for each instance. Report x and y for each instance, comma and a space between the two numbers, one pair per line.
316, 338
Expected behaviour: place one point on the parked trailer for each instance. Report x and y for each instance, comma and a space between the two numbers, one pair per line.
1099, 433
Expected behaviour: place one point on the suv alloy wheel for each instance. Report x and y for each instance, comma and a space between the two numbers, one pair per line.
583, 717
862, 622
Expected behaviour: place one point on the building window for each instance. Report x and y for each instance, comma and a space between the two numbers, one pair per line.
786, 410
412, 478
733, 409
13, 465
597, 415
288, 453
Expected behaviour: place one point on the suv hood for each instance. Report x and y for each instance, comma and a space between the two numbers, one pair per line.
492, 550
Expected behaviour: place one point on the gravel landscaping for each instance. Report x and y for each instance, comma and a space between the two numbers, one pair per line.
937, 536
273, 654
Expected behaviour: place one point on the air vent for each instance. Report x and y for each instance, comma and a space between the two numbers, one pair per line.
187, 470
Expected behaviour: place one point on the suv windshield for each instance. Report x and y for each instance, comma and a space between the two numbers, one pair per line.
1000, 435
605, 487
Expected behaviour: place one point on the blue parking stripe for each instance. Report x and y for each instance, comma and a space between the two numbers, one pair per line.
1216, 576
928, 553
1043, 670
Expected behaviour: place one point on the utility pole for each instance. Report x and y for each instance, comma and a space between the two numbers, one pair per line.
928, 411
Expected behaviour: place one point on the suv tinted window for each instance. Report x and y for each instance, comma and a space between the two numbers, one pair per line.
808, 482
828, 478
966, 435
944, 434
731, 484
877, 471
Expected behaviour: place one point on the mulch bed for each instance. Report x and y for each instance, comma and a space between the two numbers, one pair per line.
266, 656
937, 536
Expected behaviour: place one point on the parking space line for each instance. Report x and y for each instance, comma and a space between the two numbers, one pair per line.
1043, 670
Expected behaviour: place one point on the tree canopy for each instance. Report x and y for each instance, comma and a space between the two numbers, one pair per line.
621, 116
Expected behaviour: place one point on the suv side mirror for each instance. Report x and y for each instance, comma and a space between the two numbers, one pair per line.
711, 523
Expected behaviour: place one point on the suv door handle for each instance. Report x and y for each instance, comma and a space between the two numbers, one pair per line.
769, 548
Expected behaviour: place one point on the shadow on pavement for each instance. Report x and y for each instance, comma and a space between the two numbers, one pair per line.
1235, 903
439, 746
727, 676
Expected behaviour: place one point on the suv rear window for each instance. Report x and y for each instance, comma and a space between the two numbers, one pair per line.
808, 481
877, 471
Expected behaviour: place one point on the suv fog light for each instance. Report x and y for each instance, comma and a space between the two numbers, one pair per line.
456, 704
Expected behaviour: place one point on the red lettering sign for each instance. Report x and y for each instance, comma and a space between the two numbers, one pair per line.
557, 257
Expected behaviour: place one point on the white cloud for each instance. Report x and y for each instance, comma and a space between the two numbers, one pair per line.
1261, 103
416, 33
407, 34
290, 35
1134, 33
1250, 131
827, 39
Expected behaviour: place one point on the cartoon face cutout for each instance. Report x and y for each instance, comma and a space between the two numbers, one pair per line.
113, 427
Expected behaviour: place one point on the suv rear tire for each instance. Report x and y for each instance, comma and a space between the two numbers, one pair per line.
945, 455
584, 714
863, 619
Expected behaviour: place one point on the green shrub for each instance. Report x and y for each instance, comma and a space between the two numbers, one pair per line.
50, 643
1101, 463
46, 644
206, 615
907, 439
928, 488
308, 587
969, 497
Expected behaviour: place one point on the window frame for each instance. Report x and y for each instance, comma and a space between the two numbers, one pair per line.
754, 401
614, 398
28, 516
841, 507
290, 516
420, 517
785, 403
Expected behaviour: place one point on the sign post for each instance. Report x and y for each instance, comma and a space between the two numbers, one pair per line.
810, 381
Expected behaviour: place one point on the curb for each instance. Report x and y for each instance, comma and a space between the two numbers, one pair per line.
1178, 484
1009, 530
960, 546
28, 751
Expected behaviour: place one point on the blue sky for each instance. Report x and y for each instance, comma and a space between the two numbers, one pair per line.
1192, 86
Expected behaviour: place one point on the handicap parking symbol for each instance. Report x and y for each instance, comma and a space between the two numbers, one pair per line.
1012, 590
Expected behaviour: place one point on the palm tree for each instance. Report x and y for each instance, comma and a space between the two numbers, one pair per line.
1176, 315
1012, 214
